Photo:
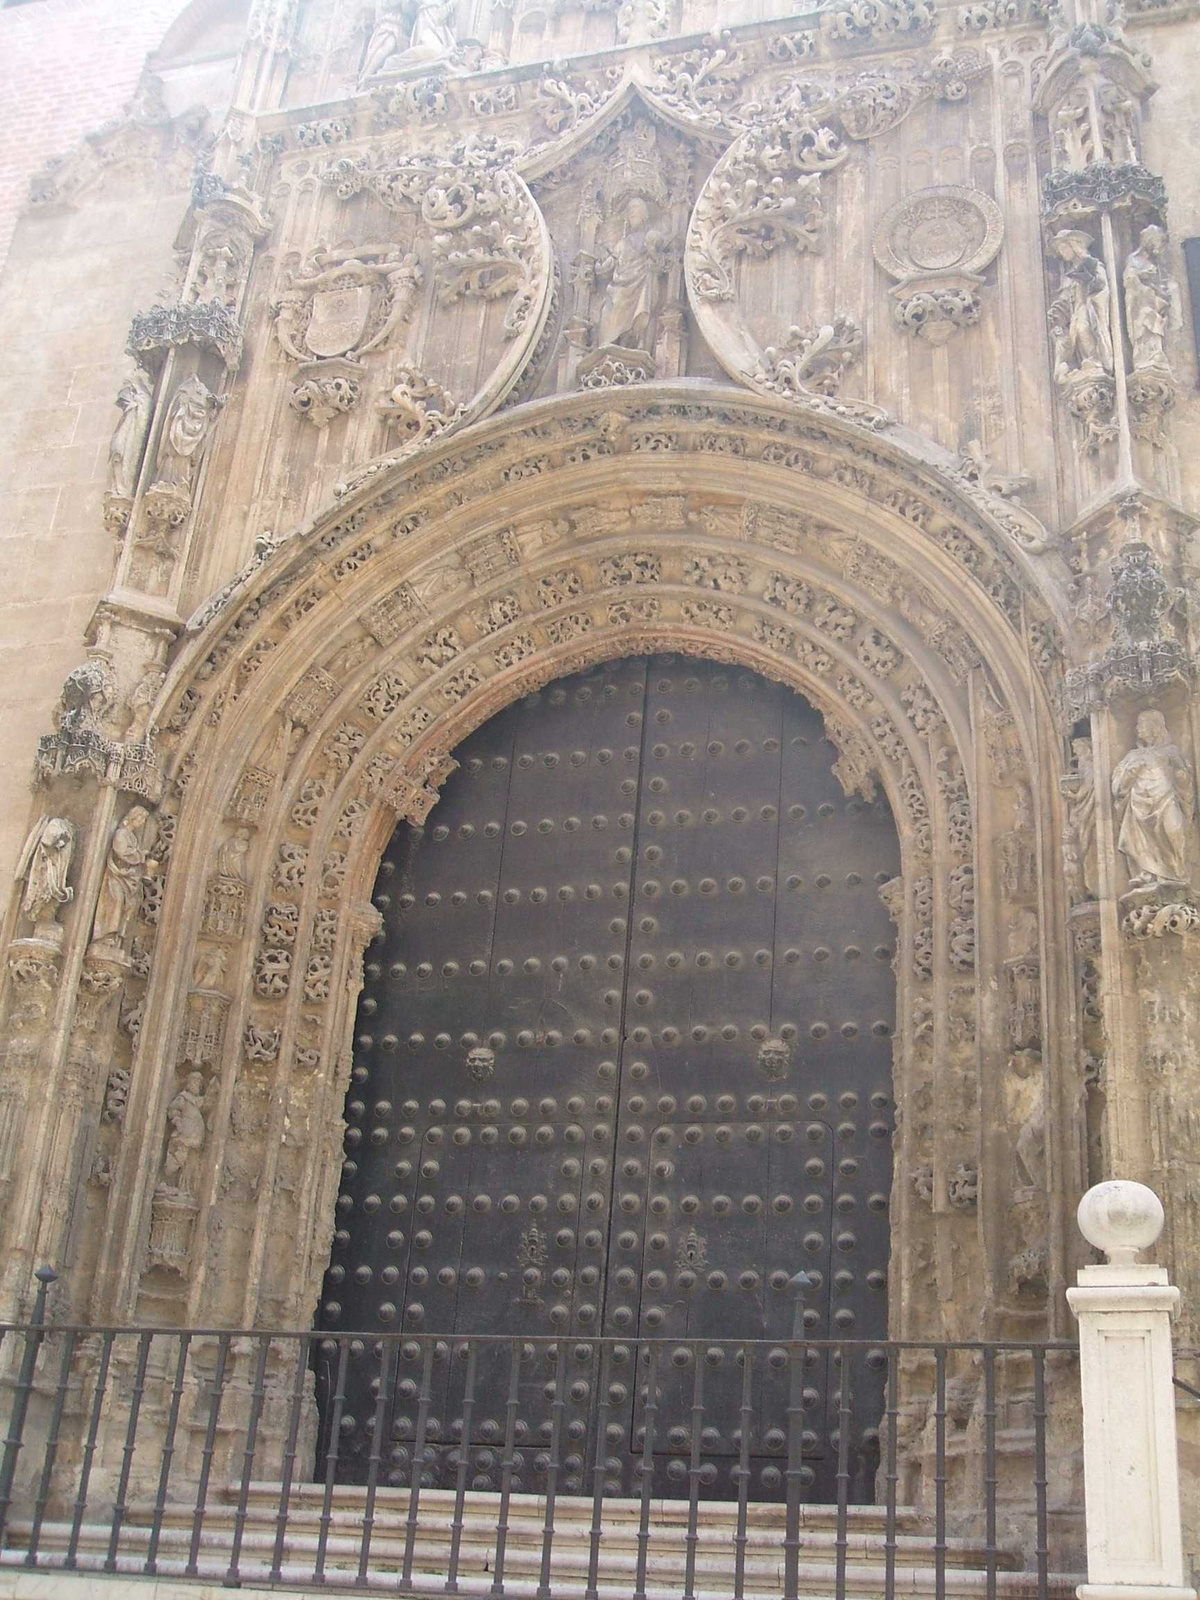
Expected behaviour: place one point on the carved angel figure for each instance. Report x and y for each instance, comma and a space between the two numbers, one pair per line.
408, 35
1151, 302
121, 887
188, 1131
45, 863
1079, 313
1079, 835
1152, 786
188, 421
633, 273
136, 400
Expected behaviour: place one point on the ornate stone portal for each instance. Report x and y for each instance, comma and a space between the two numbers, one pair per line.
482, 374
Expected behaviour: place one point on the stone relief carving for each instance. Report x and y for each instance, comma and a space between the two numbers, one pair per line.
565, 99
1080, 327
419, 408
192, 412
1153, 788
188, 1130
1079, 832
765, 193
810, 361
120, 902
343, 304
1152, 312
1144, 654
478, 234
963, 1188
937, 244
135, 400
416, 34
44, 865
205, 324
854, 20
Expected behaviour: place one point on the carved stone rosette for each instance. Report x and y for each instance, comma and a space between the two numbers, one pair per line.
937, 243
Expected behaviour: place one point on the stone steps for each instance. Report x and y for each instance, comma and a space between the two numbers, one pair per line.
915, 1559
716, 1529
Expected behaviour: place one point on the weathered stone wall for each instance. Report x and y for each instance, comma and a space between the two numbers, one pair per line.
66, 68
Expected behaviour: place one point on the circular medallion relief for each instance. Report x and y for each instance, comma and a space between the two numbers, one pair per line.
946, 229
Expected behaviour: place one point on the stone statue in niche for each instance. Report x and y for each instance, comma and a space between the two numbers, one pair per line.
189, 420
188, 1129
1079, 313
1079, 835
1073, 132
1153, 790
136, 401
1118, 124
416, 34
121, 887
1151, 302
632, 273
45, 863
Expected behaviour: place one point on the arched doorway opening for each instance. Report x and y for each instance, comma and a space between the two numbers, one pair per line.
622, 1067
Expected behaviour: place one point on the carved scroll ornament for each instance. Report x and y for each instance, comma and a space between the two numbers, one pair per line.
476, 233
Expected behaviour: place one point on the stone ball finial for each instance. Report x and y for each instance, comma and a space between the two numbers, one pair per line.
1120, 1218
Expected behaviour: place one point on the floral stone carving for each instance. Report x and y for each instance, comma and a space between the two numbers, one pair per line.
475, 233
936, 243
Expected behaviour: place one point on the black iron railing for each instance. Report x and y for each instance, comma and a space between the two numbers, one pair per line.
641, 1466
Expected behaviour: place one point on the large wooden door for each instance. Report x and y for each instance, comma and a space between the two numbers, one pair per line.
622, 1067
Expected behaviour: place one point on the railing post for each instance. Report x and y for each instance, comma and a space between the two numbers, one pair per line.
16, 1422
1130, 1465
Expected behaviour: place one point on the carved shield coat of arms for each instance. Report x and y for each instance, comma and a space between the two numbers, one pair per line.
338, 320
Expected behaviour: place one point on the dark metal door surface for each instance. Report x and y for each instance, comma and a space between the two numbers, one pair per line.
622, 1067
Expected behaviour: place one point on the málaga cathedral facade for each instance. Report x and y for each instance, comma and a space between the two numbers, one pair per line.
625, 729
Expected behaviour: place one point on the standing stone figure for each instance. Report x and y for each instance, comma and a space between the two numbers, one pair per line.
1152, 786
410, 35
1079, 787
45, 862
121, 888
1079, 313
188, 421
136, 400
1151, 302
185, 1118
633, 273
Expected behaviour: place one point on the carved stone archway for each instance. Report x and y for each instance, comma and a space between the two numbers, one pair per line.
318, 702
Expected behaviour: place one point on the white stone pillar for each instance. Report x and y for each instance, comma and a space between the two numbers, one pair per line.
1131, 1471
